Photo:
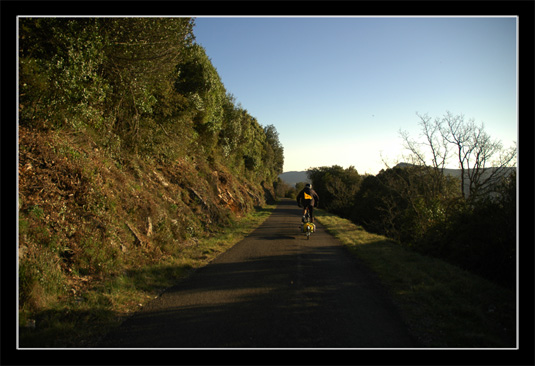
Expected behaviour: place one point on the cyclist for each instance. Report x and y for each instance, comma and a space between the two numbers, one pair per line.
308, 198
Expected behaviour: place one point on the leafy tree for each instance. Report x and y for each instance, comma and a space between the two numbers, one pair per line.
368, 204
274, 150
475, 229
140, 56
143, 86
199, 81
283, 189
231, 129
336, 187
140, 95
480, 238
402, 201
101, 72
60, 79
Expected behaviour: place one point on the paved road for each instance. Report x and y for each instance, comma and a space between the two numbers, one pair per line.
274, 289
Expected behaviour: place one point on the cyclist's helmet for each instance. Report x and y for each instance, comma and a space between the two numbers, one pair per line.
308, 185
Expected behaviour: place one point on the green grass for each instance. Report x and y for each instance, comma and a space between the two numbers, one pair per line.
83, 319
443, 305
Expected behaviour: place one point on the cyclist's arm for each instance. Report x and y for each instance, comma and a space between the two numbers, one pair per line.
299, 196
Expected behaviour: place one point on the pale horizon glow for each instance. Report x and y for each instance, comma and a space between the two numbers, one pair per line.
339, 89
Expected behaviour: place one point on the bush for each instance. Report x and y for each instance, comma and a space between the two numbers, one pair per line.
336, 188
425, 211
479, 237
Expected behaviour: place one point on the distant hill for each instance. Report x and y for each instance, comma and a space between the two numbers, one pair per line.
456, 173
451, 172
295, 177
292, 178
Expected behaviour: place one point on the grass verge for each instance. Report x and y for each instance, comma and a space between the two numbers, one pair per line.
443, 305
82, 321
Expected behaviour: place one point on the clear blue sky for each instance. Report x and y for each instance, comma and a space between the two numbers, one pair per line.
339, 89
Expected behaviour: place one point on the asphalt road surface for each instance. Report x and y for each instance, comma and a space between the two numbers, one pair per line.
274, 289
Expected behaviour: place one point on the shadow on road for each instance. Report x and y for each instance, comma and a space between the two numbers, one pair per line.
271, 291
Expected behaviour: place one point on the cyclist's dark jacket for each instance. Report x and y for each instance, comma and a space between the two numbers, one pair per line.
303, 199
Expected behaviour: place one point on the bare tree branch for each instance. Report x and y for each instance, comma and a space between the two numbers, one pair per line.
474, 151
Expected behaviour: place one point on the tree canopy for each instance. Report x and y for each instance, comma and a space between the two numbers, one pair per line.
467, 219
142, 84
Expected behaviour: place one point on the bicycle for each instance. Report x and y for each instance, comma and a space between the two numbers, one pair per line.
308, 227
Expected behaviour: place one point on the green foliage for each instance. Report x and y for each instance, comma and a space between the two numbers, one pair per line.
336, 187
41, 279
423, 209
439, 301
126, 120
231, 128
283, 189
274, 151
60, 79
480, 237
403, 202
199, 81
140, 84
141, 55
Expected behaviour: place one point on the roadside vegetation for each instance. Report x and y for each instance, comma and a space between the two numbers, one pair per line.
98, 306
135, 167
443, 305
442, 241
468, 219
